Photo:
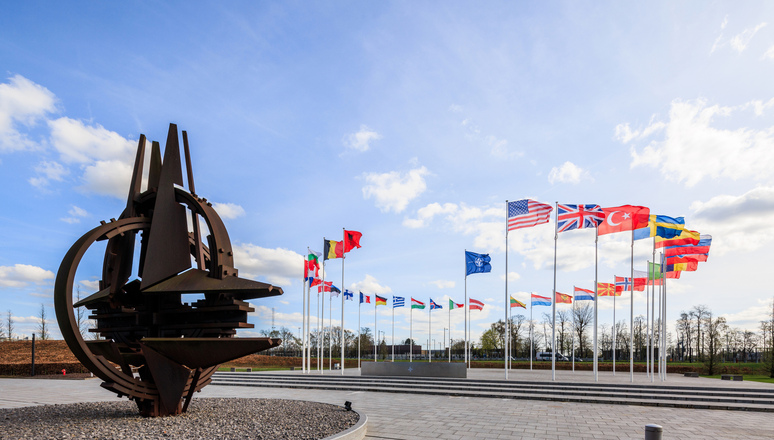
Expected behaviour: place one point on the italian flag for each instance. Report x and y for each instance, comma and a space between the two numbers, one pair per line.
417, 304
454, 305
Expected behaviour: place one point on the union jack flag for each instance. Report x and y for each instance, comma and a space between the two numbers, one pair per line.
578, 217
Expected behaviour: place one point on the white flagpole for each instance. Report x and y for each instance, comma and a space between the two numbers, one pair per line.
531, 335
360, 302
615, 334
308, 329
596, 309
573, 327
430, 331
343, 244
411, 331
319, 329
450, 344
663, 322
660, 336
648, 289
653, 333
321, 357
507, 304
303, 319
553, 300
631, 316
392, 340
376, 332
467, 308
330, 331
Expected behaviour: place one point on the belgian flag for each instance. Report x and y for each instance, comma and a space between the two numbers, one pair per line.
333, 249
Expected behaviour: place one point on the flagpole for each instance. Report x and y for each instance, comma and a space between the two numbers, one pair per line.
303, 318
392, 340
376, 334
631, 316
596, 309
553, 300
574, 300
507, 304
343, 254
330, 331
450, 344
653, 332
430, 331
651, 275
660, 336
358, 327
308, 329
319, 328
615, 333
411, 331
663, 323
466, 311
531, 335
321, 357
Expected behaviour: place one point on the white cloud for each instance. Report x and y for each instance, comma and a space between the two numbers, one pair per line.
751, 317
76, 214
393, 191
92, 285
712, 152
732, 220
740, 42
361, 141
443, 284
483, 222
568, 173
426, 214
77, 142
48, 171
497, 147
107, 177
20, 275
512, 276
22, 102
277, 266
369, 285
228, 211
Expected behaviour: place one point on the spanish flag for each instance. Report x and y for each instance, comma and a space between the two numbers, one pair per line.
333, 249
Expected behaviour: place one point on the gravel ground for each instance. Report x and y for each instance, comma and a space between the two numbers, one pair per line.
205, 419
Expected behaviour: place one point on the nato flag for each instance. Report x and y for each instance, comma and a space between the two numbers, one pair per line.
477, 263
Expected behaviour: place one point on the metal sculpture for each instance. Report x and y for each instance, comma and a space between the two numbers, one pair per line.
153, 347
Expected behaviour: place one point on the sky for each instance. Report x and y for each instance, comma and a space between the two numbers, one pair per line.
411, 122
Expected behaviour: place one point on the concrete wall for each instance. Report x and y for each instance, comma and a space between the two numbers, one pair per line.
418, 369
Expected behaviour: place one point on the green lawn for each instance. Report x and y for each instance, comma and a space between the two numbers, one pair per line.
749, 377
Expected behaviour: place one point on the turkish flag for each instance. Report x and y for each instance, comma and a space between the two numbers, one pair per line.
624, 218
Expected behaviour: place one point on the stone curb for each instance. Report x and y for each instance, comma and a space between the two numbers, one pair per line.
356, 432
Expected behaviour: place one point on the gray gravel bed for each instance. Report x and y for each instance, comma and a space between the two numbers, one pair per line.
206, 419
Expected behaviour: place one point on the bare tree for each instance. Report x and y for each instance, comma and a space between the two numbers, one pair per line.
583, 317
9, 325
713, 330
43, 325
80, 314
769, 348
698, 313
564, 330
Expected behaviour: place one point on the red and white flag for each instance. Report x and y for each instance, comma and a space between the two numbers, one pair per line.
624, 218
475, 304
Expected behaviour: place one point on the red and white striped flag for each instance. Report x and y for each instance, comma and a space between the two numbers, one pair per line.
475, 304
526, 213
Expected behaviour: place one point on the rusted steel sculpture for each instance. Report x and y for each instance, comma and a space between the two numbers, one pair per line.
153, 347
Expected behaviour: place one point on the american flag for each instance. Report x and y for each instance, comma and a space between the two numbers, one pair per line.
526, 213
578, 216
475, 304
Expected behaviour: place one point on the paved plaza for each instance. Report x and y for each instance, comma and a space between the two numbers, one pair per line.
403, 416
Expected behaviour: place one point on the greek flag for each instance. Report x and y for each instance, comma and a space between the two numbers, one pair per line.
398, 301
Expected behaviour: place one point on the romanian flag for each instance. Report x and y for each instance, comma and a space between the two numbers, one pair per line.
685, 237
563, 298
661, 226
417, 304
380, 301
606, 289
517, 303
454, 305
333, 249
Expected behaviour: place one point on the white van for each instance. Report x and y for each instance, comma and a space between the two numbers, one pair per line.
546, 356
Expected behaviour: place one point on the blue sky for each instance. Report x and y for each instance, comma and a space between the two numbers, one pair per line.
411, 122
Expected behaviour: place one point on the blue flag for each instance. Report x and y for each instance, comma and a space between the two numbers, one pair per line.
398, 301
477, 263
433, 305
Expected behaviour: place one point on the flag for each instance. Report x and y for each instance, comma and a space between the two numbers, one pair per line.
702, 247
624, 218
433, 305
454, 305
584, 294
624, 284
578, 217
540, 300
563, 298
380, 301
685, 237
315, 282
417, 304
477, 263
349, 295
517, 303
335, 291
351, 240
685, 263
325, 286
661, 226
333, 249
606, 289
643, 277
668, 274
475, 304
398, 301
699, 258
312, 265
364, 298
526, 213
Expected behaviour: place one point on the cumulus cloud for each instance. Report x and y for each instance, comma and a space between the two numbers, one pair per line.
426, 214
394, 190
568, 173
512, 276
732, 220
750, 317
20, 275
81, 143
228, 211
443, 284
361, 141
691, 136
22, 102
277, 266
107, 177
369, 285
76, 214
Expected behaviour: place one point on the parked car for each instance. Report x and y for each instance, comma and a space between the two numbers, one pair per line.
546, 356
